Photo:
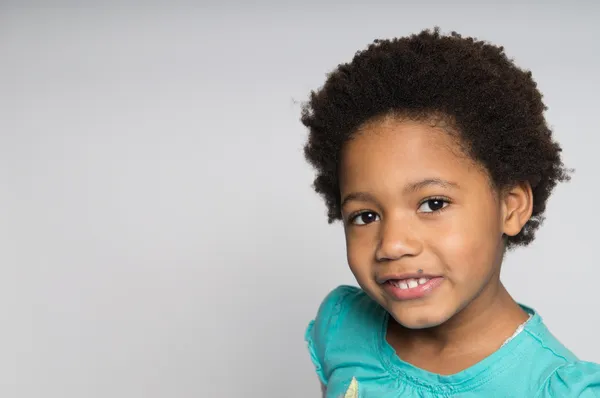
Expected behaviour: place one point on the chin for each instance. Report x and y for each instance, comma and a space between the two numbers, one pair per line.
419, 317
418, 324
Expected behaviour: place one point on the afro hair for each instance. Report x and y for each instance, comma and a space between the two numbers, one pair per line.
494, 105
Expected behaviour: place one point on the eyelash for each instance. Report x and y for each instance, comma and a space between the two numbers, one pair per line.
352, 217
446, 201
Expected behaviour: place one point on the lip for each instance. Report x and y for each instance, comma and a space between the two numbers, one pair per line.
386, 278
414, 293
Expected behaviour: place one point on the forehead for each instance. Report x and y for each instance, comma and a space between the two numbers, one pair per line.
402, 151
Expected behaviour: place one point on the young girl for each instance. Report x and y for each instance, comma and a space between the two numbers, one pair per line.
434, 152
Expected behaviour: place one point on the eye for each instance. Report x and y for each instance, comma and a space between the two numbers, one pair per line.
364, 218
433, 205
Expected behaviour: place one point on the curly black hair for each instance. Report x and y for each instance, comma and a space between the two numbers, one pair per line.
493, 104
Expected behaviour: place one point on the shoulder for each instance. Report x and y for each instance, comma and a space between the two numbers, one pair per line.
341, 314
546, 343
561, 373
576, 379
335, 301
332, 313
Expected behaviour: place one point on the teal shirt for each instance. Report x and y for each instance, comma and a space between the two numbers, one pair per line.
347, 340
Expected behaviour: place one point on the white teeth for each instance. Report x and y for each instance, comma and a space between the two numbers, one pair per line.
409, 283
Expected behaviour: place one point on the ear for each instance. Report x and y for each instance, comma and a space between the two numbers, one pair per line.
517, 206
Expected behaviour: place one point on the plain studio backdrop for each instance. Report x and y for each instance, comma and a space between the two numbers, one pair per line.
159, 236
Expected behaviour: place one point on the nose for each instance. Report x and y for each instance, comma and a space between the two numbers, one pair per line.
397, 240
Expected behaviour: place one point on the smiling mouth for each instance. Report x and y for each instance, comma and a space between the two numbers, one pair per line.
412, 288
411, 283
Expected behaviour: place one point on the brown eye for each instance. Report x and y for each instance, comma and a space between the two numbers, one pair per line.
364, 218
432, 205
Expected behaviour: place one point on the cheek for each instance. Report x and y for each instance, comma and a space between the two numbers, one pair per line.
360, 251
469, 243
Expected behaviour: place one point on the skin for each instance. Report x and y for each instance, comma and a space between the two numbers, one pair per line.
413, 200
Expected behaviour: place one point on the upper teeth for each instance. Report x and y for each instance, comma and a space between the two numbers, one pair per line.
410, 283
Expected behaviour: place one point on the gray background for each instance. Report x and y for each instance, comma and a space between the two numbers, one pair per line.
158, 233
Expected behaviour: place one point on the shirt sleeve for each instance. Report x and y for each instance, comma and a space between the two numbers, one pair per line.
575, 380
321, 330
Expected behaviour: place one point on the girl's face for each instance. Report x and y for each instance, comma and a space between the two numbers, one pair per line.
424, 227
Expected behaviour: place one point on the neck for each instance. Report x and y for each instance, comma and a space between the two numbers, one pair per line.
481, 327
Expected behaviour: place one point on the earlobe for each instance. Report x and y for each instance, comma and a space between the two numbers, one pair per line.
517, 207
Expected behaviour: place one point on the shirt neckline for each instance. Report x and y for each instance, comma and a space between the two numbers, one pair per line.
464, 380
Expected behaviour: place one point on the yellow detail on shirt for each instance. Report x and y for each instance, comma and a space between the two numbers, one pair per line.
352, 391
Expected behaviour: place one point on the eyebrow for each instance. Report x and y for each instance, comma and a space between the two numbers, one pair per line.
415, 186
358, 196
410, 188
